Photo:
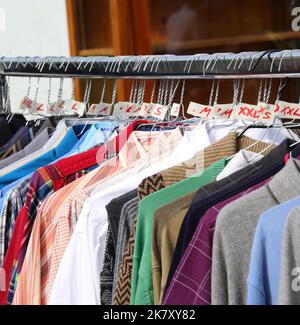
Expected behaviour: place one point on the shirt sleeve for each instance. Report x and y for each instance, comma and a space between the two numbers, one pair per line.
78, 277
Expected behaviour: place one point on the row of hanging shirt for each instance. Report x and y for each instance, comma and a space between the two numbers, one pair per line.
120, 210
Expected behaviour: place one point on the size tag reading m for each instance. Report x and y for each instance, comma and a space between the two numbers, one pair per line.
260, 112
100, 109
287, 110
200, 110
223, 111
73, 107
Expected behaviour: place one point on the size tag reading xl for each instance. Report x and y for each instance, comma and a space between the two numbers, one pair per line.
26, 104
200, 110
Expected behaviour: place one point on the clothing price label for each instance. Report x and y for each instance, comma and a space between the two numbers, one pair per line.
175, 110
120, 109
223, 111
55, 109
138, 110
73, 107
146, 109
287, 110
260, 112
100, 109
200, 110
159, 111
26, 104
38, 108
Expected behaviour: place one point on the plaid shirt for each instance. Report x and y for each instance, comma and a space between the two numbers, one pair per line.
45, 181
191, 283
11, 208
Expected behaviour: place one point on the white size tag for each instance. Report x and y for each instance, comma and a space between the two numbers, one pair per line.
287, 110
200, 110
137, 110
55, 109
147, 109
260, 112
73, 107
120, 109
26, 104
159, 111
38, 108
175, 110
100, 109
223, 111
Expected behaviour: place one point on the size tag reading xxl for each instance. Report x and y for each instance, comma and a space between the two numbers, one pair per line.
200, 110
260, 112
73, 107
100, 109
223, 111
287, 110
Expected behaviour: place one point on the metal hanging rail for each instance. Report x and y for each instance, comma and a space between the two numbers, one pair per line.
268, 64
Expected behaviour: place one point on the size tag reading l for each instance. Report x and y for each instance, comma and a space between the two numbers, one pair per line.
200, 110
223, 111
100, 109
72, 107
287, 110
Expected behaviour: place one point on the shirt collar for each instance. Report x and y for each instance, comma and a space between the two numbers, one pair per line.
138, 145
286, 183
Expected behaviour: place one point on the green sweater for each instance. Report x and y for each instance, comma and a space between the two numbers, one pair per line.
141, 281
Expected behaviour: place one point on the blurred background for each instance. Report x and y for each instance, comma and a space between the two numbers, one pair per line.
138, 27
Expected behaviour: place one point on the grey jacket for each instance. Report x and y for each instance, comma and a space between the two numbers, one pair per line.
234, 233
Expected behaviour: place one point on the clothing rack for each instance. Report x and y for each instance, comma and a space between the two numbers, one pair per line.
268, 64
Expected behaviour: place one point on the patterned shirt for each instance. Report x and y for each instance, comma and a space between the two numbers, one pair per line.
186, 289
11, 208
51, 179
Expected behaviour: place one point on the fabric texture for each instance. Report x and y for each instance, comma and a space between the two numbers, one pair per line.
234, 234
127, 220
289, 290
114, 209
45, 181
264, 270
216, 192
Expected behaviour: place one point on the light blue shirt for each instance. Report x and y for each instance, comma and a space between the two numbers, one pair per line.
264, 270
67, 143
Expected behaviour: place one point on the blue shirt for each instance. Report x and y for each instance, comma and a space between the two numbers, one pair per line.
264, 271
67, 143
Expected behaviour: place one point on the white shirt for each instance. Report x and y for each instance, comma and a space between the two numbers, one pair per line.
241, 160
78, 277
